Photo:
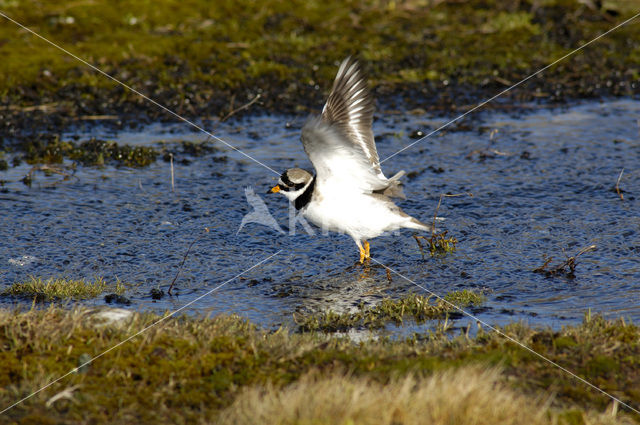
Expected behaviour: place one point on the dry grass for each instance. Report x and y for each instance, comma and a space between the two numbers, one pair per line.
469, 395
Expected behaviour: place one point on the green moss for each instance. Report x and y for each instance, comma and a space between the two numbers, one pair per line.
602, 365
60, 289
197, 56
571, 417
564, 342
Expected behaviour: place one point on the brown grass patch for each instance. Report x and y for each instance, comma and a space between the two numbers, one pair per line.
469, 395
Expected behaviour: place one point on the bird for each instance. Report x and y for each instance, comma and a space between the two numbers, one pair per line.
348, 193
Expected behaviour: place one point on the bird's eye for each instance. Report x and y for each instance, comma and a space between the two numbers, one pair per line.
284, 178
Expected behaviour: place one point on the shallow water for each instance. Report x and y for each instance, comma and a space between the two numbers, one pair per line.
542, 184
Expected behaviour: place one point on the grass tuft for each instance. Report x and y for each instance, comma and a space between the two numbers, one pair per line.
413, 307
440, 244
469, 395
465, 298
60, 289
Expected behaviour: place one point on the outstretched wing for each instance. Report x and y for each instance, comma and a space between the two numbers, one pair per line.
340, 142
350, 108
338, 162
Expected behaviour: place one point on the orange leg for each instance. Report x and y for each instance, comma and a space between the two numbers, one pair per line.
364, 252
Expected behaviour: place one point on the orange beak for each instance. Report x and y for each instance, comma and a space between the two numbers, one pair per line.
274, 189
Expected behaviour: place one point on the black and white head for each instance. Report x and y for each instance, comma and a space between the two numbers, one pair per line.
292, 183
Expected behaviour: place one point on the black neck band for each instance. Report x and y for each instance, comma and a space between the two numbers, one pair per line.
304, 199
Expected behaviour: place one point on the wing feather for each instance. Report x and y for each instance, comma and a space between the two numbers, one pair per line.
350, 107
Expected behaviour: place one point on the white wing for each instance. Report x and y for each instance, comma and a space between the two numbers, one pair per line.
340, 142
350, 108
340, 165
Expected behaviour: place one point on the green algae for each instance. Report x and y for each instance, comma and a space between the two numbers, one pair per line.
61, 289
93, 152
48, 155
187, 369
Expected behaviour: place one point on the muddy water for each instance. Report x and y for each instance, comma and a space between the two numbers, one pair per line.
542, 182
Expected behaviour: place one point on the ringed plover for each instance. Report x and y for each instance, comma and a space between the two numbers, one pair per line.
348, 193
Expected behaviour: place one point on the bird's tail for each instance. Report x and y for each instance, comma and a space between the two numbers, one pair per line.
416, 224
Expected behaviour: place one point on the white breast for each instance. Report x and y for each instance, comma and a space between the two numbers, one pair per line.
359, 215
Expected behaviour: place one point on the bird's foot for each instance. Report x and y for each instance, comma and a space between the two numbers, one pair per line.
365, 253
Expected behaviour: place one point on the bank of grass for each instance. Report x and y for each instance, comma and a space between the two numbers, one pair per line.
57, 289
203, 58
193, 370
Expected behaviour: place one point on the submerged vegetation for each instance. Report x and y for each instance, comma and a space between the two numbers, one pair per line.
90, 152
209, 59
188, 370
438, 243
61, 289
415, 307
566, 268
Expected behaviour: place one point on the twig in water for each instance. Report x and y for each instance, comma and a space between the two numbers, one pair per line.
172, 180
438, 243
435, 213
48, 170
562, 268
245, 106
206, 230
618, 186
